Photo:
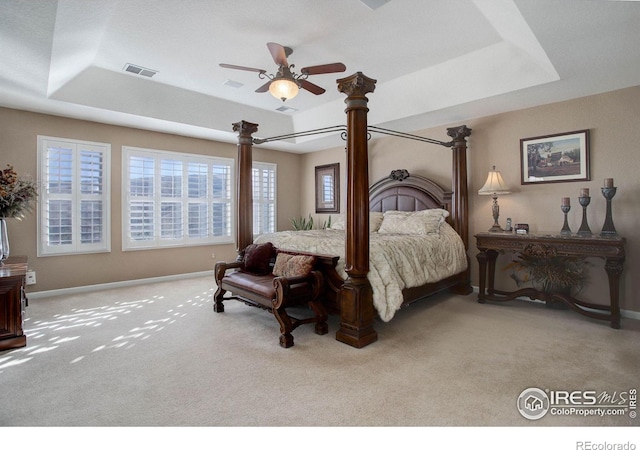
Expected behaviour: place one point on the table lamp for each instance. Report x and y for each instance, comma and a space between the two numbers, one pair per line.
495, 186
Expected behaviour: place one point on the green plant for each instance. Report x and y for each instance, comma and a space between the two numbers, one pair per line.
326, 224
302, 223
548, 271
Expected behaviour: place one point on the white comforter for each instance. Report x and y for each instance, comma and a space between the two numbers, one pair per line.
397, 261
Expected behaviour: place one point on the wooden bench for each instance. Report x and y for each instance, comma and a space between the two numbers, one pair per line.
272, 292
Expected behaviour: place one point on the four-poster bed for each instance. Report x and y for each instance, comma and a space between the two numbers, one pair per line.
413, 250
352, 297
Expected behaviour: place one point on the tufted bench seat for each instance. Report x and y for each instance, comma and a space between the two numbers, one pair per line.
273, 280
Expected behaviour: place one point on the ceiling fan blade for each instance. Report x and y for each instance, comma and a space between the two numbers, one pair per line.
278, 53
313, 88
264, 87
250, 69
324, 68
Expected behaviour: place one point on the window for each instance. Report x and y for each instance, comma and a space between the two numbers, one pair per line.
175, 199
263, 176
73, 209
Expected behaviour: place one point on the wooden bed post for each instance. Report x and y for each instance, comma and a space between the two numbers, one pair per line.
357, 312
460, 200
460, 204
244, 194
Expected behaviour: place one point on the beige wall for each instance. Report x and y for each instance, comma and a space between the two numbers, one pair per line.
612, 119
18, 147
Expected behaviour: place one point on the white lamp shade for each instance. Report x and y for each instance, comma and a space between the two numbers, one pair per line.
283, 89
494, 185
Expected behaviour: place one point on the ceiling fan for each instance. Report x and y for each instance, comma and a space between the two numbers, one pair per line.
285, 84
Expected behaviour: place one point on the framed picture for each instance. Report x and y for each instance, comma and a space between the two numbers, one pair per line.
328, 188
555, 158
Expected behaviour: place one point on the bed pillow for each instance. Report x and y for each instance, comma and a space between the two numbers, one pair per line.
338, 223
257, 258
375, 219
288, 265
423, 222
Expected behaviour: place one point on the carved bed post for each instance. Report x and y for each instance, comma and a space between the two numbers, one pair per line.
460, 200
357, 312
460, 204
244, 194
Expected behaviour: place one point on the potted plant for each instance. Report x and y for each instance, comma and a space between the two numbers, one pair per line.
16, 198
547, 271
302, 223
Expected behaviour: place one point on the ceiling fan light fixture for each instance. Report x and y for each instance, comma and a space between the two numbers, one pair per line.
284, 88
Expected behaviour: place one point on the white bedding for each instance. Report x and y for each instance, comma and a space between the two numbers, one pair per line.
396, 261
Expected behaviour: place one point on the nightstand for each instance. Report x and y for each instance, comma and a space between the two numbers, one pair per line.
12, 302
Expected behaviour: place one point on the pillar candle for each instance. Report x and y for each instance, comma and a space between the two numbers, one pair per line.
566, 201
608, 182
584, 192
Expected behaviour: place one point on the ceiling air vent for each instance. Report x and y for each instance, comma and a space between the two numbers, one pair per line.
233, 83
286, 109
132, 68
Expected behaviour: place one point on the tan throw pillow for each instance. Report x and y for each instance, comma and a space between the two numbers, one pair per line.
288, 265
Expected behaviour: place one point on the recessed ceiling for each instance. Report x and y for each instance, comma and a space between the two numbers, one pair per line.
437, 62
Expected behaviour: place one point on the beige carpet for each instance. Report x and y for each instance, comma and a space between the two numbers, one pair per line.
157, 355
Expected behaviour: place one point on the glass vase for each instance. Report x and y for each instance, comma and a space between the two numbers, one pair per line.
4, 240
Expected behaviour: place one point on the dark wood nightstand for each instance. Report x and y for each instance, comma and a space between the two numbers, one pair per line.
609, 248
12, 302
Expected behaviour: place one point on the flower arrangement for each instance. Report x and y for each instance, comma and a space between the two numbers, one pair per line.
16, 193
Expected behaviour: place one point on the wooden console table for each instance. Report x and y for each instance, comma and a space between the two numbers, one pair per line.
610, 248
12, 302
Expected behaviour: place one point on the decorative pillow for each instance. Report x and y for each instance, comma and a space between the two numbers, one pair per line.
288, 265
257, 258
375, 219
427, 221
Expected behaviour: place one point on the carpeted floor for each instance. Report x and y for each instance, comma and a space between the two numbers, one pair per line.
157, 355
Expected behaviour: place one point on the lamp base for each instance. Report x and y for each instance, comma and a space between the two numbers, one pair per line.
495, 211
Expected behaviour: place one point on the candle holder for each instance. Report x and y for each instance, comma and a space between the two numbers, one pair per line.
608, 229
565, 228
584, 227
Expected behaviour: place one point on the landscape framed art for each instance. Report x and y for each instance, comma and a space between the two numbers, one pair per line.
555, 158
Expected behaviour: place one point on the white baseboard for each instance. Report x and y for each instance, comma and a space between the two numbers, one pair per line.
623, 312
117, 284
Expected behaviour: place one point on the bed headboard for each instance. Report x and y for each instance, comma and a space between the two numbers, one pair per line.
403, 192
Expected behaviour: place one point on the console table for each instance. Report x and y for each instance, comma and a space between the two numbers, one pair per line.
13, 271
610, 248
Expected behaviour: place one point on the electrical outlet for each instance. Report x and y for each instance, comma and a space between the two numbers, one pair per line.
31, 277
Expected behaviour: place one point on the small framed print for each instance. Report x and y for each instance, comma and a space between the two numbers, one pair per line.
522, 228
328, 188
555, 158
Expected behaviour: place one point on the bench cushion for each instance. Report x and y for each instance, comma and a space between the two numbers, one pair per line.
259, 284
